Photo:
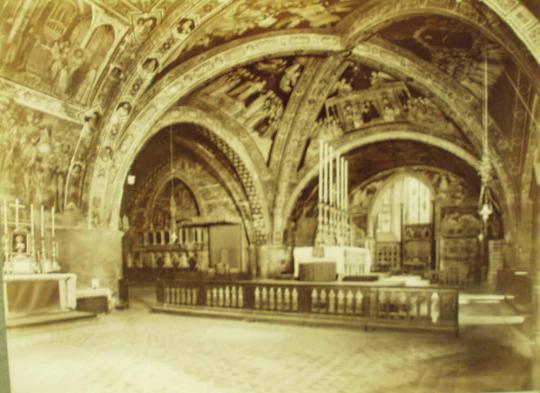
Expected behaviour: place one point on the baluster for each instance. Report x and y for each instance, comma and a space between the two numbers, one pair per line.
167, 293
411, 310
402, 311
315, 307
208, 297
221, 297
349, 303
359, 303
194, 296
241, 297
287, 299
294, 299
182, 295
188, 295
323, 300
271, 300
382, 309
279, 300
264, 298
234, 299
257, 298
215, 302
332, 302
434, 309
227, 296
340, 302
424, 313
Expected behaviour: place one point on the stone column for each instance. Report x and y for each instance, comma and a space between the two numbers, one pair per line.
4, 367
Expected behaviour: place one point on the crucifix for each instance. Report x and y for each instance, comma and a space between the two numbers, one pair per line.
17, 207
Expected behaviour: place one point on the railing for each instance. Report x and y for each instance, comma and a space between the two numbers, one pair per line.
414, 307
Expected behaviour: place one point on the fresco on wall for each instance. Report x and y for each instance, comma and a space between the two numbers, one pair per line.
175, 199
36, 154
201, 196
52, 47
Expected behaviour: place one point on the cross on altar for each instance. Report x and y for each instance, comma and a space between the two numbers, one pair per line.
17, 207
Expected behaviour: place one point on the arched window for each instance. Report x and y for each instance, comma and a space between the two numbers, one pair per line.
404, 199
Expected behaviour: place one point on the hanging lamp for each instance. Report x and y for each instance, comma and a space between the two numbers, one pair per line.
485, 201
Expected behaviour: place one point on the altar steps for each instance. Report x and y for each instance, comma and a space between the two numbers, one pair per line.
48, 318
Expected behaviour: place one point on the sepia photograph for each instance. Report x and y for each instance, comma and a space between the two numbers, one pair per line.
257, 196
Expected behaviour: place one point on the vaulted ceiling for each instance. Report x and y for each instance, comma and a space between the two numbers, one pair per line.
260, 82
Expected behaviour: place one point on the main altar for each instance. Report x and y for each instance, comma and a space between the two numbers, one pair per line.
32, 279
333, 255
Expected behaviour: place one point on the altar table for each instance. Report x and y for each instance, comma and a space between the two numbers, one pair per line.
28, 294
350, 261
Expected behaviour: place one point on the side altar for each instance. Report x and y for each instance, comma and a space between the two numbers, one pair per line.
333, 254
32, 277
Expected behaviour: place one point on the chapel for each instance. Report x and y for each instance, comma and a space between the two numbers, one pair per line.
270, 195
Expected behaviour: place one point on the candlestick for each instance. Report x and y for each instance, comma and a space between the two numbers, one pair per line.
52, 227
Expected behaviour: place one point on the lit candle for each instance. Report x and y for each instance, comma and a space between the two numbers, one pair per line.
52, 227
42, 228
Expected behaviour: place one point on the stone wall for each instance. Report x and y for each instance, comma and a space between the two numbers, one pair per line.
91, 253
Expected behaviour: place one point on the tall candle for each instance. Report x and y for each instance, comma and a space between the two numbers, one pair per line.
52, 228
5, 217
42, 227
346, 186
321, 181
331, 181
32, 220
16, 212
343, 180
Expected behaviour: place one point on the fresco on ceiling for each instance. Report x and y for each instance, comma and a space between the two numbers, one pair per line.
248, 17
36, 154
452, 47
365, 97
52, 47
257, 95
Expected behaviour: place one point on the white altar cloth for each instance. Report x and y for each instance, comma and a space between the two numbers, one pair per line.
350, 261
26, 294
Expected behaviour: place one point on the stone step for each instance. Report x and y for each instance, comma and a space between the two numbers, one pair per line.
48, 318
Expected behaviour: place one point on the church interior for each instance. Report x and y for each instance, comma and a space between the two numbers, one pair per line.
262, 196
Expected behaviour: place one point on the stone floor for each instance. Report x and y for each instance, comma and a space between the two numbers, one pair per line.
136, 351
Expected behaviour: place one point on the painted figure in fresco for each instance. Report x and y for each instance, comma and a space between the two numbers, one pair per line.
185, 26
290, 78
120, 116
150, 65
248, 88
